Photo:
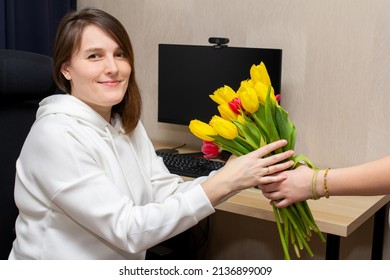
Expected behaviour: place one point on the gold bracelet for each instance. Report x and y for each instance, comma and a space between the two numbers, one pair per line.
326, 183
313, 184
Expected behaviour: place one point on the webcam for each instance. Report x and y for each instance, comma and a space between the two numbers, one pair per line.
219, 42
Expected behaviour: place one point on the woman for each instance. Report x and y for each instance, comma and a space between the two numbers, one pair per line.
89, 184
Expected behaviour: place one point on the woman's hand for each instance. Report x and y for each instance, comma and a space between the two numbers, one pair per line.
248, 171
296, 187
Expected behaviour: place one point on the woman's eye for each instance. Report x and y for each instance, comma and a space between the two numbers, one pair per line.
94, 56
121, 55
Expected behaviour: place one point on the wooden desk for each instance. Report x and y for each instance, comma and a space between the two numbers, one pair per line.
336, 216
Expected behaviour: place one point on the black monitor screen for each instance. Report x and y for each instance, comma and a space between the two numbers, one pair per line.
188, 74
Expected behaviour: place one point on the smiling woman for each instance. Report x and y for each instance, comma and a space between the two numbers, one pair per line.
75, 40
98, 72
98, 190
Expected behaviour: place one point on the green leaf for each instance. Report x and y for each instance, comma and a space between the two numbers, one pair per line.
292, 138
259, 118
269, 120
302, 159
241, 141
232, 146
285, 127
253, 128
248, 135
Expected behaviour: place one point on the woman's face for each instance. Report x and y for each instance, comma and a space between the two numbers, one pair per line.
98, 71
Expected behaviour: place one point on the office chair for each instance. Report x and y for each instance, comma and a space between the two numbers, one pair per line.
25, 78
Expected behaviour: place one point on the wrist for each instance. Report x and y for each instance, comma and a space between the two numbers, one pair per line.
313, 184
216, 189
322, 189
319, 184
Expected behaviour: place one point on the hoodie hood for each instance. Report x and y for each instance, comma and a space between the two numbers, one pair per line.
72, 106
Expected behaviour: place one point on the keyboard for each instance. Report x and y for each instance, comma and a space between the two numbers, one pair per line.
189, 164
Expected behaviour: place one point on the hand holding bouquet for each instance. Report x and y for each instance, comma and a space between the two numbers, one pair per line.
249, 119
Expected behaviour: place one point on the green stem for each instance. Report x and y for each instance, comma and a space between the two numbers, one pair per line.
304, 215
298, 220
305, 205
298, 231
282, 240
294, 242
286, 227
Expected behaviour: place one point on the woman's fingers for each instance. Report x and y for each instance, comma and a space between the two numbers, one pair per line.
275, 168
267, 180
274, 159
265, 150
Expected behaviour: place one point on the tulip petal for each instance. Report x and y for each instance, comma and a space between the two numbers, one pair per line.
248, 97
202, 130
210, 150
223, 95
226, 112
223, 127
259, 74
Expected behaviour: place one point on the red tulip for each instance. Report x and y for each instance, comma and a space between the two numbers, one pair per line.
277, 97
210, 150
235, 105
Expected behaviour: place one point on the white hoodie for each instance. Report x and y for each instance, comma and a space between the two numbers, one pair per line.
86, 190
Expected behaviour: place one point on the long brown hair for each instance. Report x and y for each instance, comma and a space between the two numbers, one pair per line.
68, 40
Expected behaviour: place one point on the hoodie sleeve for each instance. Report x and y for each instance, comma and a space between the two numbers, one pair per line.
66, 173
164, 184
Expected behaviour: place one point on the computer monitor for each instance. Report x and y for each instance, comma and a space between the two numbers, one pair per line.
188, 74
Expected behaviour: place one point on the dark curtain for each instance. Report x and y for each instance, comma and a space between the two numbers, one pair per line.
26, 25
31, 25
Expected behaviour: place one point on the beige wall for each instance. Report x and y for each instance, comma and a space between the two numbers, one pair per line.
336, 77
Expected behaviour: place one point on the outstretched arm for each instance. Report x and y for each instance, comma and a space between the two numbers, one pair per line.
370, 178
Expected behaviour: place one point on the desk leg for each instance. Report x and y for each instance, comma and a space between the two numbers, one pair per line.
378, 234
332, 247
333, 241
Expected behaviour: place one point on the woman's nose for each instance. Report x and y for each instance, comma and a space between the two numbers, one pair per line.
111, 65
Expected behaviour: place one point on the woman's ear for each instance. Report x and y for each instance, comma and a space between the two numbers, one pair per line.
65, 71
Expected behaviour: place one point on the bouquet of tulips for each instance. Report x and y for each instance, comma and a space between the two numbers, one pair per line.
249, 119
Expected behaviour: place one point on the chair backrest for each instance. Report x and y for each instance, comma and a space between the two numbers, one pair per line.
25, 78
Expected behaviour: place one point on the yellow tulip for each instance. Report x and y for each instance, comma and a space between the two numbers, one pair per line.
226, 112
241, 119
262, 91
202, 130
224, 128
248, 97
223, 95
259, 74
